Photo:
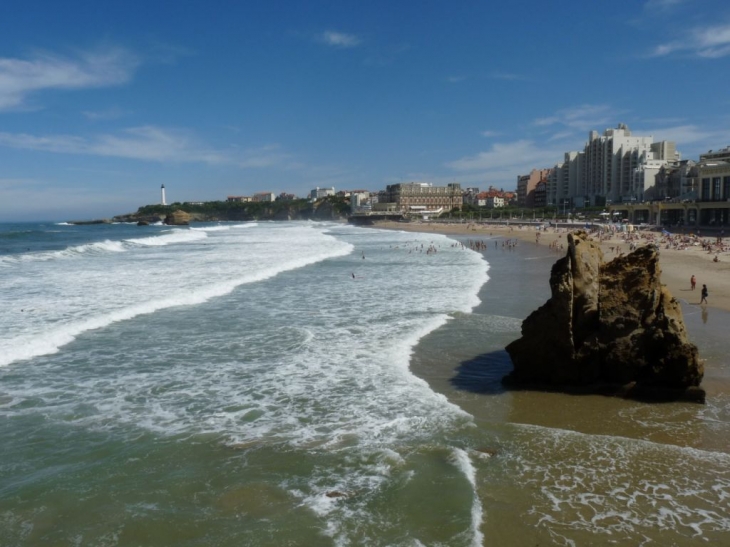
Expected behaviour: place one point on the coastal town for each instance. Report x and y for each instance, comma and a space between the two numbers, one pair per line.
618, 175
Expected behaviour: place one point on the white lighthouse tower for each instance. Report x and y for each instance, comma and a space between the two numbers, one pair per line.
162, 190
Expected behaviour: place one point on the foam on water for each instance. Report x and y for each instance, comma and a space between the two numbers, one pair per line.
79, 297
620, 488
463, 462
307, 359
170, 238
106, 246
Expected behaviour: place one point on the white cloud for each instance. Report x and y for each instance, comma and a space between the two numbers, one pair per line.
148, 143
511, 156
339, 39
112, 113
455, 79
508, 76
691, 140
581, 118
652, 5
709, 42
19, 78
489, 133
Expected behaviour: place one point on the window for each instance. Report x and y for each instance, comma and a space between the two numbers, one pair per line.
716, 188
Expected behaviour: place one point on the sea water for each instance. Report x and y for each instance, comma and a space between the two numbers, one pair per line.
256, 384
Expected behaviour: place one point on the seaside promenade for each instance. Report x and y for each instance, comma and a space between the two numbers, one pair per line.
680, 256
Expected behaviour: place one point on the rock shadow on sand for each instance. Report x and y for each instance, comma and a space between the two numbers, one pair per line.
484, 373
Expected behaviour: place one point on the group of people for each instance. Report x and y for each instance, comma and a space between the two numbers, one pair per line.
703, 292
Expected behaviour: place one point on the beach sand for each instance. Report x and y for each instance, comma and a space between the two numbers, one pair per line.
677, 266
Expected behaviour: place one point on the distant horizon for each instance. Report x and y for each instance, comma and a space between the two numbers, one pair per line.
99, 107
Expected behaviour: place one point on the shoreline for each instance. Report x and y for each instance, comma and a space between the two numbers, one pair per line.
678, 260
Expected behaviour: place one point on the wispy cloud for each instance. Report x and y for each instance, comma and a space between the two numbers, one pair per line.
455, 79
112, 113
515, 156
693, 137
489, 133
149, 143
581, 118
652, 5
19, 78
508, 76
710, 42
339, 39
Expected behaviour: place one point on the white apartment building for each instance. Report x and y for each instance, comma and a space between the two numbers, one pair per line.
319, 193
360, 201
614, 167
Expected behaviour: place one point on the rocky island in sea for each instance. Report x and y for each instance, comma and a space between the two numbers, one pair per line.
608, 328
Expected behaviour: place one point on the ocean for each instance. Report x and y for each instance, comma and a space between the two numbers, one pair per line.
315, 384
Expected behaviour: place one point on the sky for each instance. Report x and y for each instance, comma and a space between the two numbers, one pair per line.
103, 102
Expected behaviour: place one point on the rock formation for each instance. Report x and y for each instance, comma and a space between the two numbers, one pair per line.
177, 218
609, 328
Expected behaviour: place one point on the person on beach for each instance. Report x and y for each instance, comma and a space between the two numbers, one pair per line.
703, 300
693, 282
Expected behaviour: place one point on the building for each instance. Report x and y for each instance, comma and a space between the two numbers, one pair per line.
360, 200
239, 199
617, 166
687, 194
319, 193
406, 195
494, 202
714, 191
717, 155
676, 181
539, 194
563, 180
264, 197
526, 186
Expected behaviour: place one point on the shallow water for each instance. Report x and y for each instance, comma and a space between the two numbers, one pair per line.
583, 469
236, 385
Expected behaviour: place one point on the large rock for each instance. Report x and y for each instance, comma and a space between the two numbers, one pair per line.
177, 218
607, 328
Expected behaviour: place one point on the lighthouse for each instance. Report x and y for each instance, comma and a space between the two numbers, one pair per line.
162, 191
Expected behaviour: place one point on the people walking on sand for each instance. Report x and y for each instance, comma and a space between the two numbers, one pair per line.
693, 282
703, 300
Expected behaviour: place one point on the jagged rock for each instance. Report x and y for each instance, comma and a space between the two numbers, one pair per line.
607, 326
177, 218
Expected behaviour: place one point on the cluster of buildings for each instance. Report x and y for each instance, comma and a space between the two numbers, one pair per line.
615, 167
645, 181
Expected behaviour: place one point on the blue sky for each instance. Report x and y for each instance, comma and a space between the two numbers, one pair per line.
101, 104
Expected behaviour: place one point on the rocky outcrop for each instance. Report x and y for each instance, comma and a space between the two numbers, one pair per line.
608, 327
177, 218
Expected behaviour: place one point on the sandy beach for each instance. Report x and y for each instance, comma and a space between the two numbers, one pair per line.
681, 257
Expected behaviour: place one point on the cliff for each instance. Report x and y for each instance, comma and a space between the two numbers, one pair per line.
609, 328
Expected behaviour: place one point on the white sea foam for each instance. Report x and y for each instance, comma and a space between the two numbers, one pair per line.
33, 343
589, 483
170, 238
463, 463
304, 358
69, 252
